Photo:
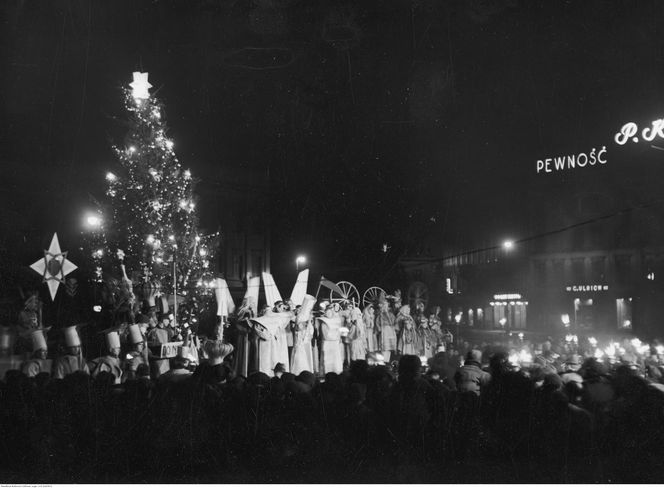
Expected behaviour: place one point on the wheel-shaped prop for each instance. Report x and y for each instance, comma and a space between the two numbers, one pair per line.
418, 292
348, 292
372, 295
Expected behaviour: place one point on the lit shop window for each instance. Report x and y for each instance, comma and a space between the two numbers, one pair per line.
624, 313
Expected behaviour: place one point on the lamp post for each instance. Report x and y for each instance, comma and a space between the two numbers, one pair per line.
298, 261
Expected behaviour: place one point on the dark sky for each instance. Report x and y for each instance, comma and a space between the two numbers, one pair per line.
415, 123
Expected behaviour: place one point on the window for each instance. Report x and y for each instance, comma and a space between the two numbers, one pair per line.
558, 271
623, 268
578, 270
597, 266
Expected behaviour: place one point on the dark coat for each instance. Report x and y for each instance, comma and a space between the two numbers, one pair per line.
470, 377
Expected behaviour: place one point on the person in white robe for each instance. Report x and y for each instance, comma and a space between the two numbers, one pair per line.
331, 346
302, 357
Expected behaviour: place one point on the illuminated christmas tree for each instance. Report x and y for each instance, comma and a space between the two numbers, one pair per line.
149, 224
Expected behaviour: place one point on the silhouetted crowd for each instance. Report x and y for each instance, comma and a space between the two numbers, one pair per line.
484, 421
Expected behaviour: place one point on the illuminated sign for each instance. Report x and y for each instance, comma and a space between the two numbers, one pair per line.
629, 131
448, 286
587, 288
507, 296
549, 165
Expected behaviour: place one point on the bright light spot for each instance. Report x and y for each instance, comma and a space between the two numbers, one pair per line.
171, 237
93, 221
187, 174
150, 239
132, 149
598, 354
508, 244
199, 283
525, 356
627, 324
610, 351
569, 338
96, 308
521, 335
202, 251
660, 349
592, 341
192, 205
635, 342
183, 203
198, 238
301, 260
111, 177
457, 318
565, 319
159, 260
98, 253
169, 144
502, 321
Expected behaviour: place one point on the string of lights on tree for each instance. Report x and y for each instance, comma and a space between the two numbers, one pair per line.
149, 219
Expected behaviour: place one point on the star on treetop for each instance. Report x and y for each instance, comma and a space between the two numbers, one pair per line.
140, 85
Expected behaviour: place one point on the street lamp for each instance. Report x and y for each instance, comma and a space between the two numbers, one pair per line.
457, 319
508, 245
298, 261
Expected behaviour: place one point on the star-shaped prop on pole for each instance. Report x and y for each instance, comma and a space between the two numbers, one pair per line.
140, 86
54, 266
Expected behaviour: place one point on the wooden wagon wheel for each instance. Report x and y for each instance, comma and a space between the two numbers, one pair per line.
372, 295
349, 292
418, 292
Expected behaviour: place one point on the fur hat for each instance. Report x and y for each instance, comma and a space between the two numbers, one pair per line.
475, 356
135, 335
113, 339
217, 349
72, 338
38, 340
6, 338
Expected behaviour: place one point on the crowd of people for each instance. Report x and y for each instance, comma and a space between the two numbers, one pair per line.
407, 405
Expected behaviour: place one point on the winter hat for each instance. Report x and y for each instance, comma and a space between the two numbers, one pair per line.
71, 336
475, 356
217, 349
38, 340
280, 368
135, 335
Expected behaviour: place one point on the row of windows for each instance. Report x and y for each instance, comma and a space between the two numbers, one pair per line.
597, 269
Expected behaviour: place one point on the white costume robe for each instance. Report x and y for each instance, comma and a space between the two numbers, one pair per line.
273, 347
331, 357
303, 357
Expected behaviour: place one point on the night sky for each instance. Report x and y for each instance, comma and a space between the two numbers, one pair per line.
412, 123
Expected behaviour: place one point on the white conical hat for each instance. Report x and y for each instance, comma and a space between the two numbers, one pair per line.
71, 336
135, 335
38, 340
308, 303
113, 339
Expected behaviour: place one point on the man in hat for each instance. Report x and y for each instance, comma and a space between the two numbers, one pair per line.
73, 359
37, 364
470, 376
138, 354
109, 363
279, 370
161, 334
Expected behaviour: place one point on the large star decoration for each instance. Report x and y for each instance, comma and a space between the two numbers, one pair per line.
54, 266
140, 85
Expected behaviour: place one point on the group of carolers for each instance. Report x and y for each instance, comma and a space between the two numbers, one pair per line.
138, 361
299, 338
